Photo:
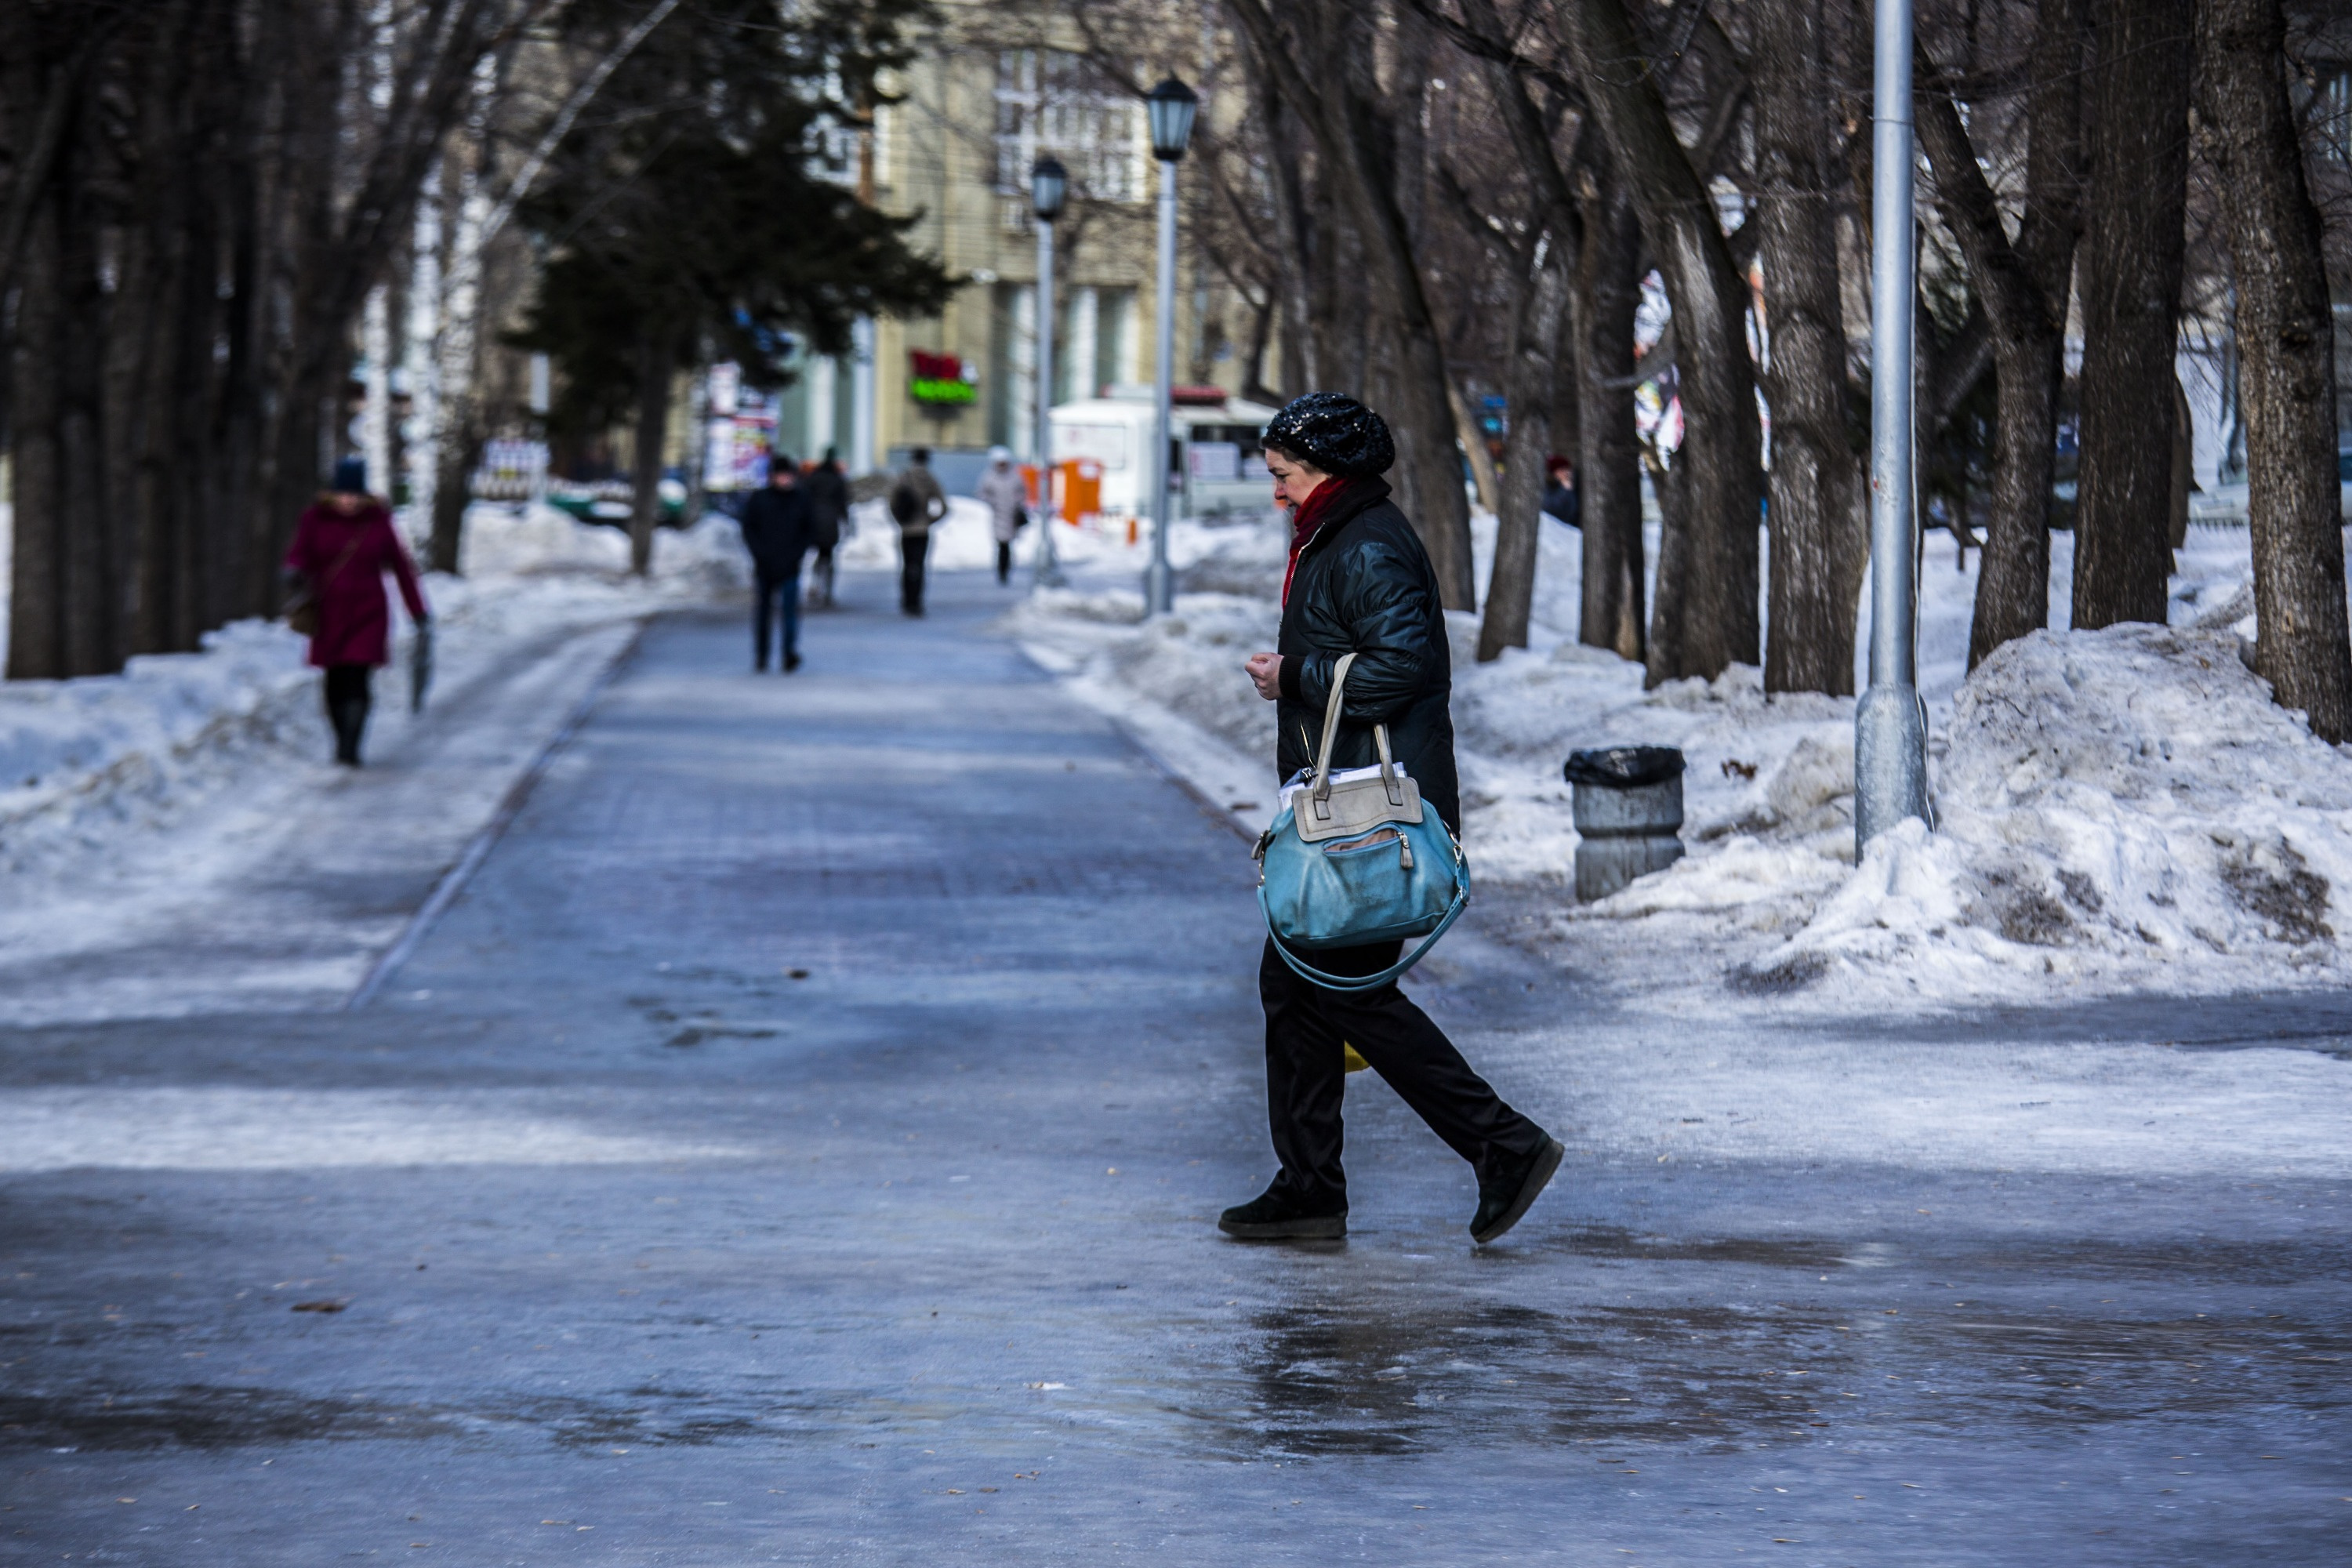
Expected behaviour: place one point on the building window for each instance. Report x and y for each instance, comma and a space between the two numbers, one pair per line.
1047, 102
1115, 337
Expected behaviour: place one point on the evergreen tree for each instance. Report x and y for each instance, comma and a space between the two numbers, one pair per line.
694, 217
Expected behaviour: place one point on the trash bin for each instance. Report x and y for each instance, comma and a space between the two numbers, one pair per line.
1629, 815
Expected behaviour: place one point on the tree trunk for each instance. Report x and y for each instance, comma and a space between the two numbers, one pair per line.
456, 436
86, 530
1353, 132
2131, 300
1428, 479
655, 365
1608, 456
1819, 539
2288, 375
461, 451
36, 604
1705, 616
1534, 377
2022, 288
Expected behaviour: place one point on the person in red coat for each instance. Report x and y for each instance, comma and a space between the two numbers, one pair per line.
343, 547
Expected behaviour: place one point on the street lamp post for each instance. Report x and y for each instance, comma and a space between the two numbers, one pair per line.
1170, 107
1049, 185
1890, 729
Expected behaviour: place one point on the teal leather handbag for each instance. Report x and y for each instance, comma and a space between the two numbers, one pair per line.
1357, 859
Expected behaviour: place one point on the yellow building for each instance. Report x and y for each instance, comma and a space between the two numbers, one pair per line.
972, 114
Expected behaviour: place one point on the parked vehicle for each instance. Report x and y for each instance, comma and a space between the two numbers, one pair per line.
607, 501
2225, 504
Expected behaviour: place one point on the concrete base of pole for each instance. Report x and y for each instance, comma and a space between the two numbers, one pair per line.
1890, 761
1158, 588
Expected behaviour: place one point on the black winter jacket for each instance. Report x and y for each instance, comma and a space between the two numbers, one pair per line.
1364, 586
777, 526
828, 495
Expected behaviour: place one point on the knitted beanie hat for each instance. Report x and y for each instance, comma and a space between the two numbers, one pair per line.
1334, 433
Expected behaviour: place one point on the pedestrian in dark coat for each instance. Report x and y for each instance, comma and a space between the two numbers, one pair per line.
1361, 583
916, 502
343, 546
1560, 500
828, 493
779, 525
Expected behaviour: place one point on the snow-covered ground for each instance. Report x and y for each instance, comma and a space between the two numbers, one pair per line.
2118, 811
165, 811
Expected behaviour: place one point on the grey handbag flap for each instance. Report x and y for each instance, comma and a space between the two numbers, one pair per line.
1354, 807
1328, 810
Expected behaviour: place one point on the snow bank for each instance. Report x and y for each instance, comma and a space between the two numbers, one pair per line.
84, 753
2116, 807
81, 760
2112, 804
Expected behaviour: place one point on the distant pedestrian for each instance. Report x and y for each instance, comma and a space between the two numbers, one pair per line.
916, 502
778, 525
1006, 498
1360, 583
343, 546
828, 494
1560, 500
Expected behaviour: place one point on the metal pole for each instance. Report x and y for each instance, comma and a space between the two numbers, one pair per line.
1890, 729
1160, 583
1049, 570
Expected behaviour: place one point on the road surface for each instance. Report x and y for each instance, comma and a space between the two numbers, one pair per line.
800, 1143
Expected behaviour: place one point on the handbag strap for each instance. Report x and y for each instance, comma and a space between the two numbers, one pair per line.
1330, 731
341, 561
1369, 981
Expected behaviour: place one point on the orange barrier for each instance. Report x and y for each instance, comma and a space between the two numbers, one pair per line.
1077, 490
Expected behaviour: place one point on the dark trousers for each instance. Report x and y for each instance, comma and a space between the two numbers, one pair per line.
347, 698
821, 589
1004, 561
1306, 1024
913, 546
772, 585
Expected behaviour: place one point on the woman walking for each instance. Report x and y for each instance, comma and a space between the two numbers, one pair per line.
1003, 493
1360, 583
343, 547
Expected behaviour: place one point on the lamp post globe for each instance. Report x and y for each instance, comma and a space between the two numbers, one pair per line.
1049, 187
1170, 107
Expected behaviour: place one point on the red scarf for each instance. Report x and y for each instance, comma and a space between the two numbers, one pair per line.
1307, 522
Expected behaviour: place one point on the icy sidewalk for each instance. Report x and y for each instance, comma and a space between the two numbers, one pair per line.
2124, 811
175, 842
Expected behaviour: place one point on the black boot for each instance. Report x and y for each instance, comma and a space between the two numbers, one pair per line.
350, 722
1513, 1191
1276, 1215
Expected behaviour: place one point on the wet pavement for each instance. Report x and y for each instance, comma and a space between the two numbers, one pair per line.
800, 1143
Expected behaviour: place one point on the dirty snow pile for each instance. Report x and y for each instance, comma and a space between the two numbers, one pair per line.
82, 759
2118, 810
2112, 805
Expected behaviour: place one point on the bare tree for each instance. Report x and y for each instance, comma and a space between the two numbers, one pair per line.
1341, 106
2288, 371
2139, 121
1608, 459
214, 207
1705, 619
2023, 287
1819, 541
